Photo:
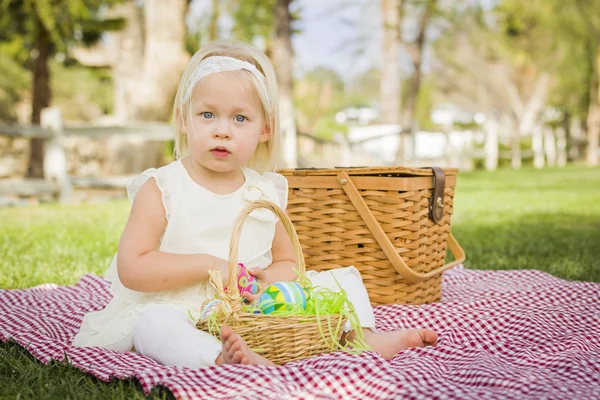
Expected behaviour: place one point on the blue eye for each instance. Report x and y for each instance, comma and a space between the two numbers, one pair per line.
207, 115
240, 118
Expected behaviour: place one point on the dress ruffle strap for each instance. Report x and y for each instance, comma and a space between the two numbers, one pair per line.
134, 185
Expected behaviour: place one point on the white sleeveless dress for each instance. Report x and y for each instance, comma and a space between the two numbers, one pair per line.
198, 221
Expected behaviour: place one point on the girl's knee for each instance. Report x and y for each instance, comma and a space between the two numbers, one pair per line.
155, 325
146, 322
167, 337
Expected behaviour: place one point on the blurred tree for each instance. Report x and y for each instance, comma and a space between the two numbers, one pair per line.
390, 91
364, 89
329, 75
129, 44
530, 64
406, 24
567, 36
318, 96
213, 28
83, 94
13, 84
254, 21
269, 24
424, 12
484, 66
164, 58
526, 56
425, 102
282, 57
44, 28
579, 66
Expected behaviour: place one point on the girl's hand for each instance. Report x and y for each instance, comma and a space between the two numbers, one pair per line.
223, 267
263, 282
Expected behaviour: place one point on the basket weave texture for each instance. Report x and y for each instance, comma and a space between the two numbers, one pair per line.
279, 338
376, 219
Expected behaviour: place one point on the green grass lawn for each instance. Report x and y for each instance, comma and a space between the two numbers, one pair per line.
547, 220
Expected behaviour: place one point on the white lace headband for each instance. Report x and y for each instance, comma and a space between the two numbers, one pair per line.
214, 64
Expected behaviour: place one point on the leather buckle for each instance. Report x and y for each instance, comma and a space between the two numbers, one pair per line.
436, 203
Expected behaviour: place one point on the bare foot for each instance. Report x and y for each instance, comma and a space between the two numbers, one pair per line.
388, 344
236, 351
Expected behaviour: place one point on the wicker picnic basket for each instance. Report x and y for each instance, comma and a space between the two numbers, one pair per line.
392, 224
279, 338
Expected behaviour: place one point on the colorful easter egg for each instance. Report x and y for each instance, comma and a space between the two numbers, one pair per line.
208, 307
211, 306
282, 295
247, 283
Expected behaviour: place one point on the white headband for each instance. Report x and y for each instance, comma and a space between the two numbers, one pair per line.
214, 64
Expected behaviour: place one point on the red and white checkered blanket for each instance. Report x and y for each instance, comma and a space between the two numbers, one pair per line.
505, 334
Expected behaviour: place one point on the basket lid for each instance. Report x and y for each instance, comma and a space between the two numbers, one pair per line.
364, 171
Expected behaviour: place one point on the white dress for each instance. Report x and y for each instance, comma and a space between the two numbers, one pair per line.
199, 221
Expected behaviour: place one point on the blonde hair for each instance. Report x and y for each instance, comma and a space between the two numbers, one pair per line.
266, 155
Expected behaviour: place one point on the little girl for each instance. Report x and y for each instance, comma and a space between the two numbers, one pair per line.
226, 111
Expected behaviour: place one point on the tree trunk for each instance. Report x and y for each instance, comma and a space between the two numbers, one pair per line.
593, 121
535, 105
213, 29
537, 145
593, 132
41, 100
526, 116
550, 146
416, 52
164, 58
390, 89
282, 62
269, 47
130, 45
410, 107
561, 146
515, 147
491, 144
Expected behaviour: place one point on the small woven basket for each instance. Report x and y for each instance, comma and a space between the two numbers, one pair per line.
392, 224
279, 338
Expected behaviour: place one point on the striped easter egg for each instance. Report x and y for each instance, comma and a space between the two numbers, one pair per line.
282, 295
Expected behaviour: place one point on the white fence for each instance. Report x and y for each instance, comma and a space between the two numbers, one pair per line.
57, 182
363, 146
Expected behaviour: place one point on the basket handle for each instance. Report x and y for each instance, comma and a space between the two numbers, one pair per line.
384, 242
237, 231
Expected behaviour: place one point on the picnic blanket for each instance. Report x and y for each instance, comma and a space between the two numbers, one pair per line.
503, 334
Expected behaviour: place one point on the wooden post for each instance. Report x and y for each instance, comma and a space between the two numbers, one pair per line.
550, 146
448, 147
491, 144
283, 64
55, 159
515, 147
561, 146
345, 159
537, 146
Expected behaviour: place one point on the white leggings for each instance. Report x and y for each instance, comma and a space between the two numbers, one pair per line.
166, 335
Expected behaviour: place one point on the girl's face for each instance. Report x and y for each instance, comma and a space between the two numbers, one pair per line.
225, 125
